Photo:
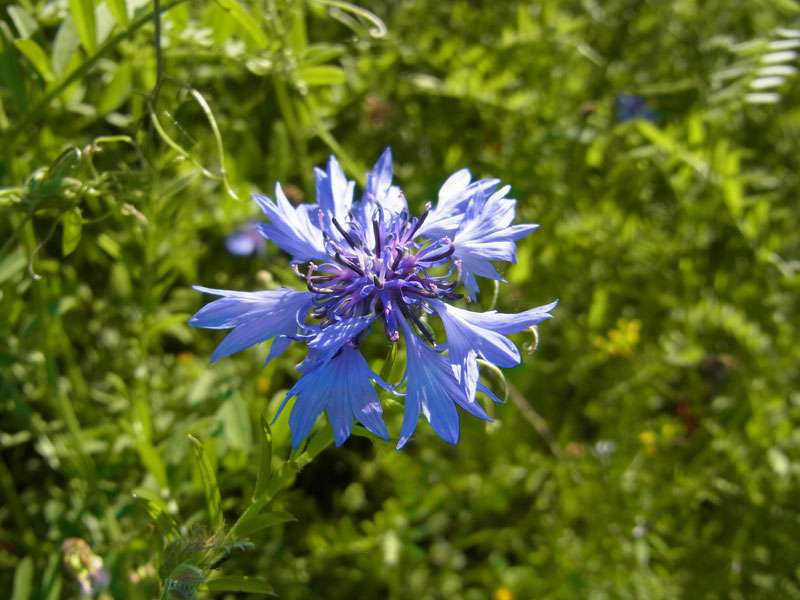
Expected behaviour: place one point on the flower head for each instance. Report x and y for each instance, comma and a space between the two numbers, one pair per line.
369, 260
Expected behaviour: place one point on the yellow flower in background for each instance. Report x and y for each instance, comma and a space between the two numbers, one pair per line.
649, 440
622, 340
502, 593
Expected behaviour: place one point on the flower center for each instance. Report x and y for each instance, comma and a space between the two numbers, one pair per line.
378, 268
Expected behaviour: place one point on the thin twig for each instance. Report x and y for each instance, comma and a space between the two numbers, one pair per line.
534, 418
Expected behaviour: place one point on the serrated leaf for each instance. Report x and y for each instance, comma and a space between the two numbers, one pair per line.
209, 479
239, 583
246, 20
259, 522
119, 9
83, 14
23, 580
37, 58
321, 75
72, 224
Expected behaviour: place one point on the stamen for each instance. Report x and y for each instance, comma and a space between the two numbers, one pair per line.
420, 221
348, 263
353, 243
398, 258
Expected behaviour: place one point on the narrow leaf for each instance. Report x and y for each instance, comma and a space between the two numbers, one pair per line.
118, 90
23, 580
239, 583
83, 15
72, 223
23, 20
119, 9
37, 57
209, 478
11, 74
158, 511
259, 522
321, 75
64, 46
265, 461
246, 20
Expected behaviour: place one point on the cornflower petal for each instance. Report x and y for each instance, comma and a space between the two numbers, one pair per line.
290, 228
343, 388
324, 345
471, 334
454, 198
463, 337
486, 235
433, 389
334, 195
254, 316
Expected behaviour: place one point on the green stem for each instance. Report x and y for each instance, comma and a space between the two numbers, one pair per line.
290, 118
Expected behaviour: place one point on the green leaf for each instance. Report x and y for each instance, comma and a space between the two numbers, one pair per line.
259, 522
158, 511
246, 20
265, 459
64, 46
322, 53
24, 22
239, 583
209, 479
119, 9
37, 57
236, 421
11, 264
50, 584
23, 580
11, 74
72, 223
321, 75
83, 15
118, 90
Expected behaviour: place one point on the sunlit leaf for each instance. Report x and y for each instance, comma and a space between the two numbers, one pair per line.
37, 56
72, 225
83, 14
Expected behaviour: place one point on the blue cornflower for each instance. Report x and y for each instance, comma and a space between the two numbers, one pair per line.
631, 106
246, 240
368, 260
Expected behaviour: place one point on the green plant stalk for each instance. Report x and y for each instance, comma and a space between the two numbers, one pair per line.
290, 118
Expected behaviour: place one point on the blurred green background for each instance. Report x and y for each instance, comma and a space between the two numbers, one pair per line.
649, 448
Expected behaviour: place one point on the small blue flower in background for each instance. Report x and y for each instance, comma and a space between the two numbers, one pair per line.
246, 240
631, 106
366, 261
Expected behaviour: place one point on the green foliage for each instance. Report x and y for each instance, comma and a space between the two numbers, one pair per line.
649, 447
